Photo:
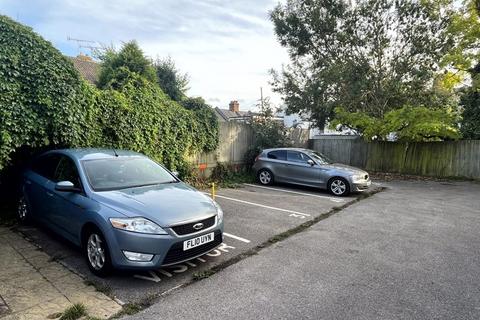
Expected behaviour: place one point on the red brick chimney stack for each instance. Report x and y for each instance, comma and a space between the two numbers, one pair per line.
234, 106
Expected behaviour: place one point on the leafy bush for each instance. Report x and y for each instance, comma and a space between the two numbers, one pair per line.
42, 99
229, 175
44, 104
207, 119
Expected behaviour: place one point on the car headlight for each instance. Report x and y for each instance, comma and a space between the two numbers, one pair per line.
140, 225
358, 177
219, 211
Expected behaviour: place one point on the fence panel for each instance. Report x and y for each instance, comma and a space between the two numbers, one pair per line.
439, 159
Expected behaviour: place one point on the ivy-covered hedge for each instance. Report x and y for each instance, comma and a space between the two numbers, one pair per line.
41, 101
139, 116
45, 103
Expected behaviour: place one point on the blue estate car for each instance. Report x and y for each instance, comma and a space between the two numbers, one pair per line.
124, 210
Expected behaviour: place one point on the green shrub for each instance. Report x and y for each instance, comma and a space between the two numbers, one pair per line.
42, 99
44, 104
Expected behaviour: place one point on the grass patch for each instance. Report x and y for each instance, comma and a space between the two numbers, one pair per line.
203, 274
132, 308
236, 179
74, 312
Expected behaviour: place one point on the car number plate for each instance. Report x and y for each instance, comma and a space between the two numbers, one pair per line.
198, 241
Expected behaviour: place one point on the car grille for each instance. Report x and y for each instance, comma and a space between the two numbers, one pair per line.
188, 228
176, 253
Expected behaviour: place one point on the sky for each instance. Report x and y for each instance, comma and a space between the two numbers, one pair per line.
226, 46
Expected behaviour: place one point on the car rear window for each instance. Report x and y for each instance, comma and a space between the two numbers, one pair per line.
277, 155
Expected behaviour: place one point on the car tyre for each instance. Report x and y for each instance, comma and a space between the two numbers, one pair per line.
24, 211
339, 186
265, 177
96, 252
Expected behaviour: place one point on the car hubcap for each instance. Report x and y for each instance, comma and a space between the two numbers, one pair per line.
265, 177
338, 187
22, 209
95, 251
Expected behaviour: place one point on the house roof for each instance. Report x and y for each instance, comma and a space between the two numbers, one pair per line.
87, 68
230, 115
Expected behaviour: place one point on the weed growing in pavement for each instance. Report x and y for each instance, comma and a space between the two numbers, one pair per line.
132, 308
203, 274
74, 312
223, 175
100, 287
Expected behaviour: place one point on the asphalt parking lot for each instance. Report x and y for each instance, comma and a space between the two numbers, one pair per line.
253, 214
409, 252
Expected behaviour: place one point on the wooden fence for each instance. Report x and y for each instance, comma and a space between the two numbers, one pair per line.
438, 159
236, 138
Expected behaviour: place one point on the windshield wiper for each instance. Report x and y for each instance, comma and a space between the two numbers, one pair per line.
172, 181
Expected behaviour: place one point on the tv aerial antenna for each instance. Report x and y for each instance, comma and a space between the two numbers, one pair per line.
85, 44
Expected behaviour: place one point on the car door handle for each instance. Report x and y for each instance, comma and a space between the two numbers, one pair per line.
49, 194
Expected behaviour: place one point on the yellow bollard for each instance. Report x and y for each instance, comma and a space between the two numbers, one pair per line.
213, 190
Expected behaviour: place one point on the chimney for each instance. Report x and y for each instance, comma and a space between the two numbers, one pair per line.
234, 106
84, 57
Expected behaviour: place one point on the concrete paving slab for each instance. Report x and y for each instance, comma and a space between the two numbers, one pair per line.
33, 286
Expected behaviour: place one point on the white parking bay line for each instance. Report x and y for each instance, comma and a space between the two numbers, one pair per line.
261, 205
236, 237
295, 192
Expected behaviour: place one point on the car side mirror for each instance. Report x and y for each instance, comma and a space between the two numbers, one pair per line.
66, 186
311, 162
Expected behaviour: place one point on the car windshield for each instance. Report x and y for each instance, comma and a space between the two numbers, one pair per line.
122, 173
320, 158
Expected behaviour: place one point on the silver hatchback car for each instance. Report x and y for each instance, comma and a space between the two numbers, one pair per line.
309, 168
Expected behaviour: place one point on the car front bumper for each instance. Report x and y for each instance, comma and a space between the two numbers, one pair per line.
361, 186
166, 249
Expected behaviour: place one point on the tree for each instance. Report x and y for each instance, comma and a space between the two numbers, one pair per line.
171, 80
371, 56
464, 29
115, 64
268, 132
464, 59
404, 124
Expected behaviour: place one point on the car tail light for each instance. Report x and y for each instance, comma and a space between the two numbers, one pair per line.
256, 158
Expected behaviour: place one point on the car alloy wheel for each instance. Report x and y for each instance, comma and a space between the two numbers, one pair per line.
96, 251
22, 210
339, 187
265, 177
97, 254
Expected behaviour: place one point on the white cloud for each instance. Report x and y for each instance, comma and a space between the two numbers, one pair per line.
226, 46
